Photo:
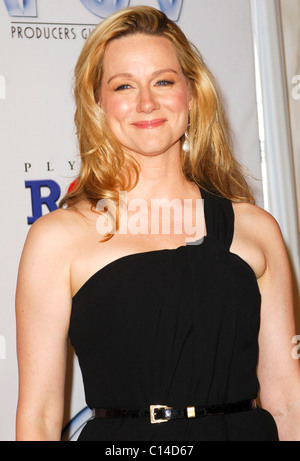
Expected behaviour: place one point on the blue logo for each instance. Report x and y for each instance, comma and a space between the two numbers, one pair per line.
72, 430
37, 200
23, 8
103, 8
172, 8
100, 8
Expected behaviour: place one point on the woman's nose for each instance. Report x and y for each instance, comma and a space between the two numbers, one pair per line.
147, 101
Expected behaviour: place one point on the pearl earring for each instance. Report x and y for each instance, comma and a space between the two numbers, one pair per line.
186, 145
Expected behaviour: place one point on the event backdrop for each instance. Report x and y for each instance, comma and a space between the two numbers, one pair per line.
40, 41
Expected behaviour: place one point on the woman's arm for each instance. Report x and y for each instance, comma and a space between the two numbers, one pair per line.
278, 371
43, 304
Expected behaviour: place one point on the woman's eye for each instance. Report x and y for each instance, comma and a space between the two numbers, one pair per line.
122, 87
165, 83
126, 86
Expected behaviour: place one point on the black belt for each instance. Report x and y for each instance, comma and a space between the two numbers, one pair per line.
163, 413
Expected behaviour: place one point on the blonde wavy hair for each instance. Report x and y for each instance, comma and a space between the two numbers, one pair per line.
106, 167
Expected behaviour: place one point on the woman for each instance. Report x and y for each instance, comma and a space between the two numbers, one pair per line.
157, 318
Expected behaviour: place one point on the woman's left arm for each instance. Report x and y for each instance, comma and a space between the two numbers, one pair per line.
278, 371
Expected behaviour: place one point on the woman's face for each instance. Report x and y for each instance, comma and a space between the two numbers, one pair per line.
144, 94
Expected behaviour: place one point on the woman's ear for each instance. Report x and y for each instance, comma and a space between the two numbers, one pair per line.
190, 96
190, 102
98, 94
98, 98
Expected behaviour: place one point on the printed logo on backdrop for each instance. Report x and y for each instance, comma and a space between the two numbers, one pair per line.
100, 8
45, 193
23, 10
103, 8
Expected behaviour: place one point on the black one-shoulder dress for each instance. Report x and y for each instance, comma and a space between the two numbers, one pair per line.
176, 327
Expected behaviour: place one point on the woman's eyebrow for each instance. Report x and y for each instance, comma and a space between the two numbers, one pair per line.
155, 74
120, 75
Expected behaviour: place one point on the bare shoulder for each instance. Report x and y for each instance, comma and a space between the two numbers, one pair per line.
259, 222
248, 210
49, 245
56, 221
255, 219
56, 229
45, 263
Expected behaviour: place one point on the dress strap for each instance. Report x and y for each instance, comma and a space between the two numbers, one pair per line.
219, 217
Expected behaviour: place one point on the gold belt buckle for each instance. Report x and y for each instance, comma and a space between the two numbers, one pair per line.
152, 413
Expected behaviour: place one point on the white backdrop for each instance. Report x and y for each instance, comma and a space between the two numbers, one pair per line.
40, 41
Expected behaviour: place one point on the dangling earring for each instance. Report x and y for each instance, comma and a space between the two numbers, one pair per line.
186, 145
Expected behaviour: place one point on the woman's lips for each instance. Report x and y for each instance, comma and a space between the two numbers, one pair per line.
149, 124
